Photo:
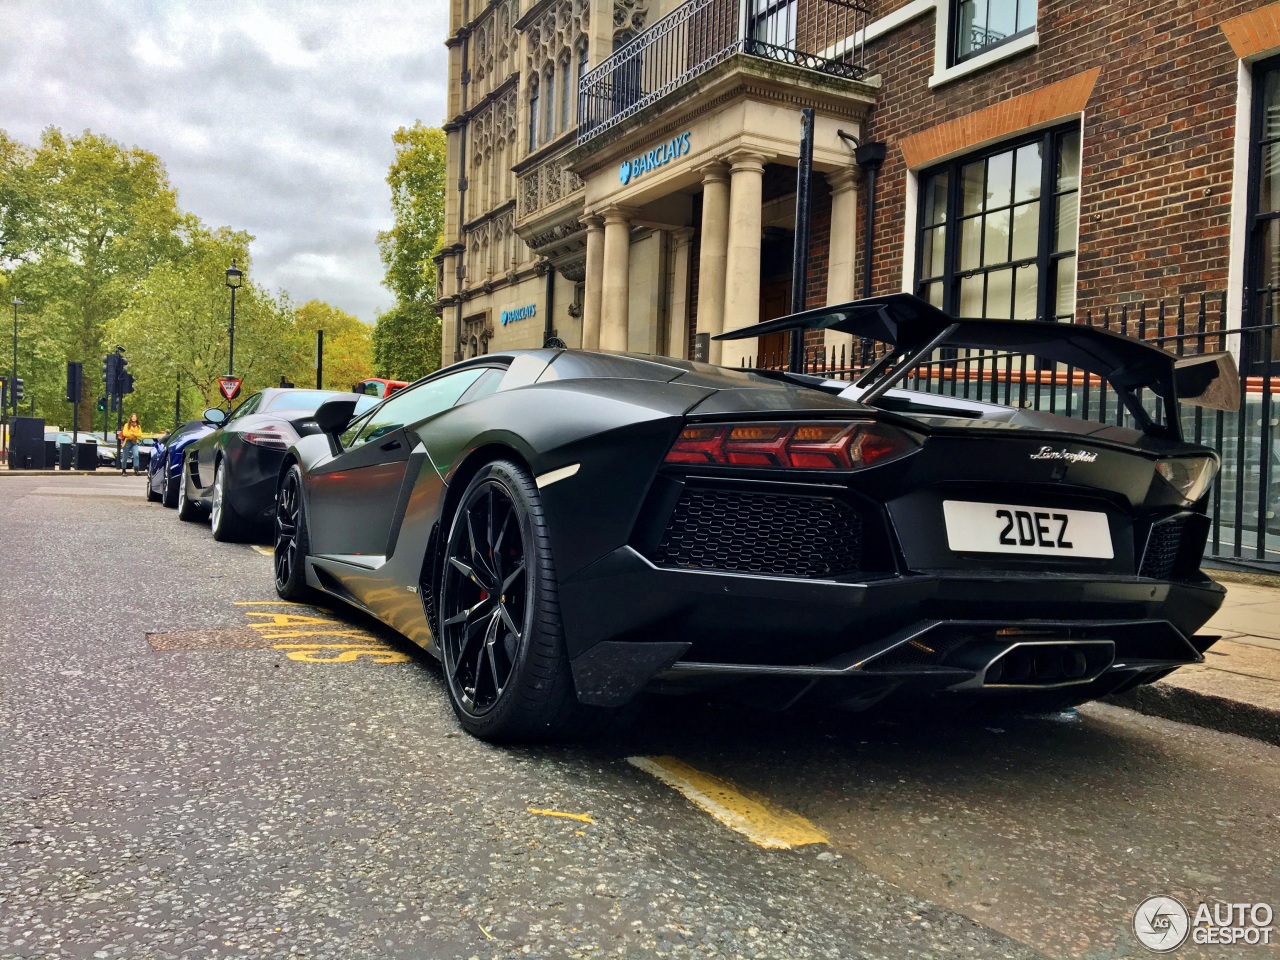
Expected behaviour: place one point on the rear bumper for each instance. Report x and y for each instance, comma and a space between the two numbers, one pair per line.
628, 623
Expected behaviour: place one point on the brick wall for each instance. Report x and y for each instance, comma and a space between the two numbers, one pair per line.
1157, 137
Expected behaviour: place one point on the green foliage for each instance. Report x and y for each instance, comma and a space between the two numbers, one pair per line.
94, 244
407, 337
348, 346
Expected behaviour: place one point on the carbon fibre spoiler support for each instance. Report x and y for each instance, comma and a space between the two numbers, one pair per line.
914, 328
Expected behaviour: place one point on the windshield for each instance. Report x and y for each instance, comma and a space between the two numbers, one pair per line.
304, 400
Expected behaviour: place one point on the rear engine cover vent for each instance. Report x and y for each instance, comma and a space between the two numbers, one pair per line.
776, 534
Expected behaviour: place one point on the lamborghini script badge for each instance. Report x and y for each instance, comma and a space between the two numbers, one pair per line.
1071, 456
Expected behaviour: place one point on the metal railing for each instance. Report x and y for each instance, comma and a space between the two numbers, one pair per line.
697, 35
1245, 503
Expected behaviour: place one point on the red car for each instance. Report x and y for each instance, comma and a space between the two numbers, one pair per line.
378, 387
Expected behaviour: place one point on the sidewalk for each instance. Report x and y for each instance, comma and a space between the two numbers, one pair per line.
1237, 688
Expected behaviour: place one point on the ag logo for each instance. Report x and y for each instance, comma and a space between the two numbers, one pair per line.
624, 172
1161, 924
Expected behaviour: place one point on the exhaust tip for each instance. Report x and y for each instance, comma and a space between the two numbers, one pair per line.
1049, 664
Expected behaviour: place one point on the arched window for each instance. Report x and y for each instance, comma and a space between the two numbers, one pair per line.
582, 67
565, 95
549, 120
533, 115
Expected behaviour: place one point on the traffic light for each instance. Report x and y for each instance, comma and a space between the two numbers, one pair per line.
109, 370
17, 390
75, 373
102, 404
126, 383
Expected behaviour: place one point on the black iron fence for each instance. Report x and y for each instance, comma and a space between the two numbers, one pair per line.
1245, 505
697, 35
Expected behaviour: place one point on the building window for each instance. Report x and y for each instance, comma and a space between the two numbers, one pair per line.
773, 24
549, 121
1263, 283
582, 68
979, 25
533, 116
997, 232
564, 94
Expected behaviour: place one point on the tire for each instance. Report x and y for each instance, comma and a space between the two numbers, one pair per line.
505, 662
152, 496
226, 524
291, 541
188, 509
168, 491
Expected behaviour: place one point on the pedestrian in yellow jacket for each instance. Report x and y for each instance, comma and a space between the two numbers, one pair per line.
131, 434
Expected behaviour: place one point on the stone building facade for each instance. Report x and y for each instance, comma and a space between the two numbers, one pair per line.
625, 169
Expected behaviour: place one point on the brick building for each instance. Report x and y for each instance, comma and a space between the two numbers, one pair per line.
626, 168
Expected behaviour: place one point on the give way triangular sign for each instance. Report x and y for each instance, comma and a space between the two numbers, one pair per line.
230, 387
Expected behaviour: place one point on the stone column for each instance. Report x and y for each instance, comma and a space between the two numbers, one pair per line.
842, 266
615, 297
712, 253
678, 330
742, 267
594, 287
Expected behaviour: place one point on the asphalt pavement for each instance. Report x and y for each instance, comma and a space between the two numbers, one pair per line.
194, 769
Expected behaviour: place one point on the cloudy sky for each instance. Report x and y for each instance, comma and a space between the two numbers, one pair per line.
271, 116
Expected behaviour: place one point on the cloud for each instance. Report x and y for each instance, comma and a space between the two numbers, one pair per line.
271, 117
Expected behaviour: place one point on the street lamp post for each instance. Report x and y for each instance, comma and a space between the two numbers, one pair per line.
235, 277
13, 393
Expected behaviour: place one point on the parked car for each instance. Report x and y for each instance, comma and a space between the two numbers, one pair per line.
379, 387
230, 474
165, 464
565, 528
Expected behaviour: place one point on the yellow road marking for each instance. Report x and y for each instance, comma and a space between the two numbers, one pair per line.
266, 603
581, 817
355, 645
265, 551
756, 818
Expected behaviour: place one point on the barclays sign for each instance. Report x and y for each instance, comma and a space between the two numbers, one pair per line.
519, 313
673, 149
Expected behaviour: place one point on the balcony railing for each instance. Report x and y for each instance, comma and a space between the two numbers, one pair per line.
693, 38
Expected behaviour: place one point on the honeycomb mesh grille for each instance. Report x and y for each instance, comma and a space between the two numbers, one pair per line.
776, 534
1161, 555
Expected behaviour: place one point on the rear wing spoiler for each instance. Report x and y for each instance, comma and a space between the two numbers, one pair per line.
914, 328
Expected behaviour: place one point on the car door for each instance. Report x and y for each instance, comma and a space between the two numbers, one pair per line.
353, 499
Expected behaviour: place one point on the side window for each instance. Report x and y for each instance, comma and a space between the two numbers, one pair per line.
246, 408
487, 384
979, 25
410, 406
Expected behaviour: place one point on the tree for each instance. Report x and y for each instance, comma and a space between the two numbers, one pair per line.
176, 329
348, 346
92, 220
407, 337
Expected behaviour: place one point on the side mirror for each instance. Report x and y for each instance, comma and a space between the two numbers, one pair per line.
214, 416
332, 416
1208, 380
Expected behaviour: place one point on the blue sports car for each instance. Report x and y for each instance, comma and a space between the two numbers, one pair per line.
165, 469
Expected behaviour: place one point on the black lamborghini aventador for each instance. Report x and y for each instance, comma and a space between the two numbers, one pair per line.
564, 528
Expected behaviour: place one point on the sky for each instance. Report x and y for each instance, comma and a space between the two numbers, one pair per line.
270, 116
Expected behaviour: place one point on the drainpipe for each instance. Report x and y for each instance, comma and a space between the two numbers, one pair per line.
870, 157
460, 270
800, 251
548, 331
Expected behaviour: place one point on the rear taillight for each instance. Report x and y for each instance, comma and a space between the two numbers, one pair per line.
272, 436
794, 446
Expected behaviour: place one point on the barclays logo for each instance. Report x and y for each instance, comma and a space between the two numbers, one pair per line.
519, 313
675, 148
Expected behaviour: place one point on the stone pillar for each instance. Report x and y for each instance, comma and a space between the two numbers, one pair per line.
594, 285
615, 299
712, 253
843, 282
742, 266
678, 326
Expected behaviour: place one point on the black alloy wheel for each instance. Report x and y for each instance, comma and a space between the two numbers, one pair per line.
291, 539
501, 639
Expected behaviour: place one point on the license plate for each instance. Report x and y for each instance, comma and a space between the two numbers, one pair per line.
1020, 529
